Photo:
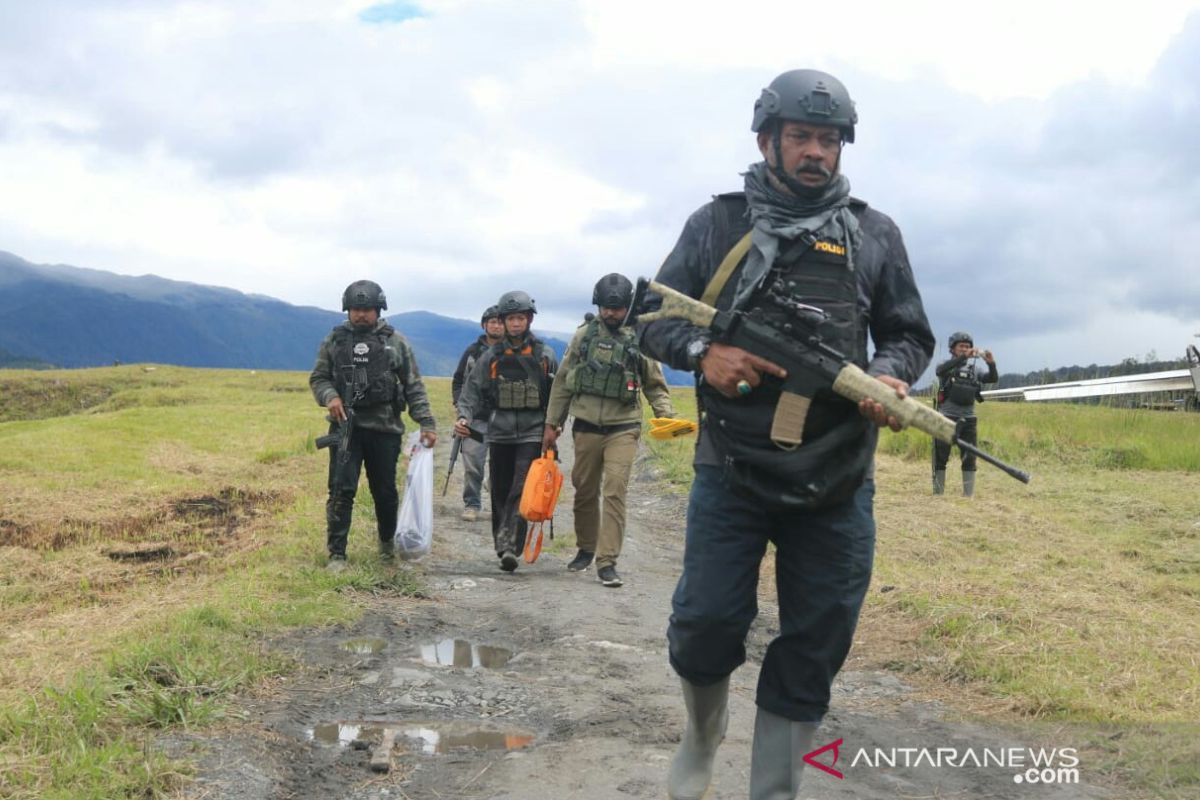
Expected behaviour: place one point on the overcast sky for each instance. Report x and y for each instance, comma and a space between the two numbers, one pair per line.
1041, 158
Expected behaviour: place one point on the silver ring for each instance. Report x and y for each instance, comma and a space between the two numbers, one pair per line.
744, 388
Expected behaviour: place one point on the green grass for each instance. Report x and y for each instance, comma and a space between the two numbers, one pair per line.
219, 468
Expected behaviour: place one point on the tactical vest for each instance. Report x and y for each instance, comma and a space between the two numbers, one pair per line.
815, 273
838, 441
608, 367
520, 378
961, 387
363, 370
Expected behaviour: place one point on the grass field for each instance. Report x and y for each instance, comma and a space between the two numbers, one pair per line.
157, 523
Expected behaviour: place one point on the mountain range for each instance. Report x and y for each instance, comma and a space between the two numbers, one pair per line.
64, 316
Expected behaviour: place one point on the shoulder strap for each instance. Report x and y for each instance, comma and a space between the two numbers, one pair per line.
728, 213
725, 271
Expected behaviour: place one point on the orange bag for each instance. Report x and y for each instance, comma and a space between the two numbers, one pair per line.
538, 498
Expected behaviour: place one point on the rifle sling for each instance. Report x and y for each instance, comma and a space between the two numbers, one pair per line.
725, 270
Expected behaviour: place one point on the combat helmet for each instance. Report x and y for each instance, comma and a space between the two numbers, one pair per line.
614, 290
492, 312
364, 294
806, 95
515, 302
960, 336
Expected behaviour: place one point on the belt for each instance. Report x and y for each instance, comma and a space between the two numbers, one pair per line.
581, 426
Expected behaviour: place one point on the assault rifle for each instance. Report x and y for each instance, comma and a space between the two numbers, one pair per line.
811, 364
356, 388
454, 450
340, 439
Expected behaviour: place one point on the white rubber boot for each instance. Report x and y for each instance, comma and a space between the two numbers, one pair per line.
777, 759
708, 716
939, 481
968, 484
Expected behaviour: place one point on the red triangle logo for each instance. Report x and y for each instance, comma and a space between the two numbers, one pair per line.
811, 759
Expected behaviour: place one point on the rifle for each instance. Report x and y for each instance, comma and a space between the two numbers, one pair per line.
454, 449
810, 363
356, 386
340, 439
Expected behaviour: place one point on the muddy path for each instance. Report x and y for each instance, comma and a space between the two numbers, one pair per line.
545, 685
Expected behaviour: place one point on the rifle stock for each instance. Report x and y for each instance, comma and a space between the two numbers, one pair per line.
846, 378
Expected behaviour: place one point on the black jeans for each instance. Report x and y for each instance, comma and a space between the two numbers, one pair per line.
380, 452
823, 564
969, 430
507, 467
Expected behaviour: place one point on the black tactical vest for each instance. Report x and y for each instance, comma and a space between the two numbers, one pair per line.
363, 368
520, 377
961, 387
608, 366
838, 441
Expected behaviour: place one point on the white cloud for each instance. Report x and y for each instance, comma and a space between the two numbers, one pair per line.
1038, 153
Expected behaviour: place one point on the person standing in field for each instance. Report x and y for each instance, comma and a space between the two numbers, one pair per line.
366, 366
959, 387
474, 450
511, 384
794, 239
600, 382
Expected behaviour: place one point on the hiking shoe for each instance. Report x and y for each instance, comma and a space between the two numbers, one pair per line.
609, 577
387, 549
582, 560
508, 562
469, 515
336, 564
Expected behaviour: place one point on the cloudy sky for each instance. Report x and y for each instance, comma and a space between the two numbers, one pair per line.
1041, 158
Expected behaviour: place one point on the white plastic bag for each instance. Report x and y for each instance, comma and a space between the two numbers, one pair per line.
414, 529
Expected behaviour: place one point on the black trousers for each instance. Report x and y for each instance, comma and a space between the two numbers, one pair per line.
508, 465
970, 434
379, 452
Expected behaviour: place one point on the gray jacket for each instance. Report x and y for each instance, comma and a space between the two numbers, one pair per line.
505, 426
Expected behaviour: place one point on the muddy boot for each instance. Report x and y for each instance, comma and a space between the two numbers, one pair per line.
708, 715
338, 511
777, 758
939, 481
968, 484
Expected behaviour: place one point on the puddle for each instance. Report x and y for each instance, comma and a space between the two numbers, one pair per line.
461, 653
365, 646
427, 738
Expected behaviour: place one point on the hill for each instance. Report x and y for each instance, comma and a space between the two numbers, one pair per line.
102, 318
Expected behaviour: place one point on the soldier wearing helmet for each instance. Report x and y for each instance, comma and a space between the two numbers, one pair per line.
365, 365
474, 447
794, 231
510, 386
600, 383
959, 387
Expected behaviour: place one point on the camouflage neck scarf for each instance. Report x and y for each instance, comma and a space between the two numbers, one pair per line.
778, 215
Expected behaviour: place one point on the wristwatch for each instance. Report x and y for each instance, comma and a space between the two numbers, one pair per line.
696, 350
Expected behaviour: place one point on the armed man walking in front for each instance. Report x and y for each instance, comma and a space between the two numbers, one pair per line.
512, 382
793, 247
959, 387
474, 447
599, 382
366, 375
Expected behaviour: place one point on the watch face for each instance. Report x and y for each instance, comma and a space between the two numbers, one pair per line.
696, 348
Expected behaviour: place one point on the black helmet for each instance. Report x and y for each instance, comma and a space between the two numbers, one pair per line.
961, 336
614, 290
493, 312
363, 294
515, 302
806, 95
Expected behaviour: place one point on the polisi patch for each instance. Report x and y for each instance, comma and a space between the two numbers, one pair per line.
829, 247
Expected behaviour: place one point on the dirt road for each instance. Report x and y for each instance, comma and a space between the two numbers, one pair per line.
545, 685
